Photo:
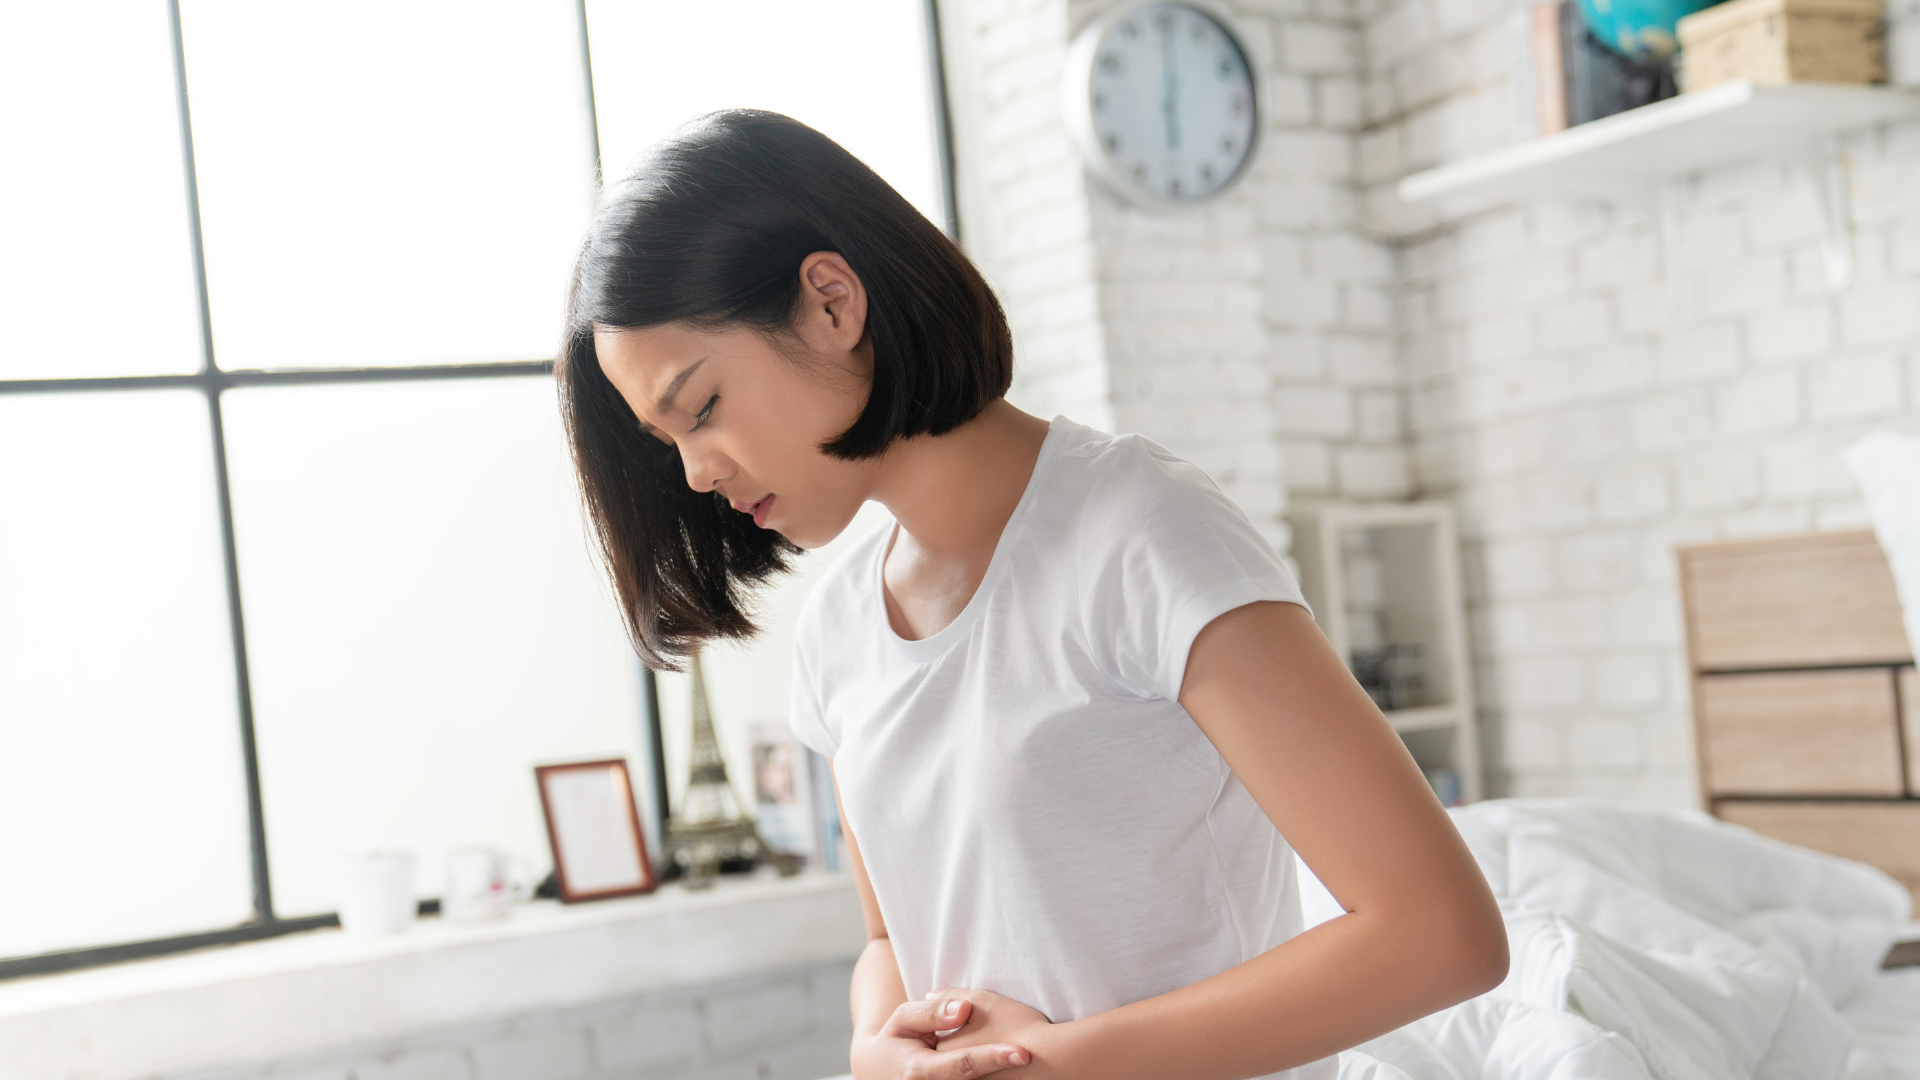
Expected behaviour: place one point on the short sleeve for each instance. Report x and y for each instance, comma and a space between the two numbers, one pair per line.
804, 714
1164, 552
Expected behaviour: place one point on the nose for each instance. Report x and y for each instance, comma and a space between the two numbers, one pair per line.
705, 468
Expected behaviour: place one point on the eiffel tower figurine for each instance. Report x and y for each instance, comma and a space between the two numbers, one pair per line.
710, 827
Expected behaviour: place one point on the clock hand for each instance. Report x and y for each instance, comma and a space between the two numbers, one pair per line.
1169, 86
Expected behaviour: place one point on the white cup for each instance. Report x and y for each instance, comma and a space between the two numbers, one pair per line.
476, 885
376, 892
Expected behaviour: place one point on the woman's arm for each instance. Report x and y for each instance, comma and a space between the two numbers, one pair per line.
1421, 932
893, 1038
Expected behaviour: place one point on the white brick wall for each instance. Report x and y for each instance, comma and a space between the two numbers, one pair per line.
1588, 407
1254, 335
1587, 399
790, 1025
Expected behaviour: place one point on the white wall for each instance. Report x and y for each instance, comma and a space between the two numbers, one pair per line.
1251, 335
788, 1025
1587, 405
1584, 406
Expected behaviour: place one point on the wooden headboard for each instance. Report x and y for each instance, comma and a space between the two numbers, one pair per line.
1806, 705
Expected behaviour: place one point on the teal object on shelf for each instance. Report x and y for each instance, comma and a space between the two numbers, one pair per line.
1638, 29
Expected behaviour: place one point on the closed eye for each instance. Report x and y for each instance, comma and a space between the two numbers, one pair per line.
700, 418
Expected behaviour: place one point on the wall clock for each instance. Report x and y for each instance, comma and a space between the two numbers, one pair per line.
1163, 102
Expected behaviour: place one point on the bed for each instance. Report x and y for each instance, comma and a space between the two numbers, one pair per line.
1763, 939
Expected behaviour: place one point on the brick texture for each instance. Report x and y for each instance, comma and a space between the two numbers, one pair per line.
789, 1025
1588, 386
1590, 394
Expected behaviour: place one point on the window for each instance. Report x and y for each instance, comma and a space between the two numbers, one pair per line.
291, 564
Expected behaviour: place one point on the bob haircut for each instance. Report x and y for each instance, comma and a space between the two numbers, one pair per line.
709, 232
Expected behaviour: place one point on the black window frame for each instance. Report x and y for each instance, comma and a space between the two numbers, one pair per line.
211, 381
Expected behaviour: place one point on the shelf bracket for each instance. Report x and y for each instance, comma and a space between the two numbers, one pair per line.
1825, 166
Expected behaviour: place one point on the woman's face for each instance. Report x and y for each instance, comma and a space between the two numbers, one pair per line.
749, 421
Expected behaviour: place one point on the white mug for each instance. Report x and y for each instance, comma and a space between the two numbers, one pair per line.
476, 885
376, 892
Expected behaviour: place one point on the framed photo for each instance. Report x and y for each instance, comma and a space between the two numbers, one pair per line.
599, 850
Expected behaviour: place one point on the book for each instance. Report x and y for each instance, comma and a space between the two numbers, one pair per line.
1600, 82
1537, 73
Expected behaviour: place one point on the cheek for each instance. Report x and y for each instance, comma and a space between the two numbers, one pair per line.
822, 494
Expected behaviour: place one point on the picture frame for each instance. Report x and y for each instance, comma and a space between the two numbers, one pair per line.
593, 830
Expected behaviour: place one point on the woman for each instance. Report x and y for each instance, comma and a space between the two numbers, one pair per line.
1073, 700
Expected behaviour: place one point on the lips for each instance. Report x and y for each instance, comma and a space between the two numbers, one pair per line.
758, 508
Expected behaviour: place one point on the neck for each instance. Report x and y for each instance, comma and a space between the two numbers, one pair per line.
953, 493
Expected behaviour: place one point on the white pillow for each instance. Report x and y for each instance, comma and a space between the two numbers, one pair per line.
1888, 468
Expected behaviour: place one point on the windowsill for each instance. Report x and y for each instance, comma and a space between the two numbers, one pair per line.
324, 988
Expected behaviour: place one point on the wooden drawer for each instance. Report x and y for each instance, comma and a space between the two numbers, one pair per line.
1800, 733
1801, 601
1883, 834
1910, 720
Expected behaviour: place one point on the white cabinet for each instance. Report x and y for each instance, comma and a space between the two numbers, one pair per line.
1384, 583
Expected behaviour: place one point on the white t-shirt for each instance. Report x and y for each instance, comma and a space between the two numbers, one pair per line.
1038, 814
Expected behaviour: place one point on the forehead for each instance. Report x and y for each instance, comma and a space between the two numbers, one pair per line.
652, 352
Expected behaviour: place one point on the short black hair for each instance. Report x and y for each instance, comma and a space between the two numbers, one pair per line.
709, 231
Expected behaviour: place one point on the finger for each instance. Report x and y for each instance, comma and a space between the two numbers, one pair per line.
976, 1061
929, 1016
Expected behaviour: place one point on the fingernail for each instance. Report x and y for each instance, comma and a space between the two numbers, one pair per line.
952, 1008
1016, 1057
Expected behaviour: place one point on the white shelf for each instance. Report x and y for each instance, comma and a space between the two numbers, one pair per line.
1409, 594
1639, 148
1424, 718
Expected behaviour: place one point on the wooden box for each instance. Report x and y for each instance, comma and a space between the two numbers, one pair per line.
1883, 834
1824, 600
1801, 733
1775, 42
1806, 702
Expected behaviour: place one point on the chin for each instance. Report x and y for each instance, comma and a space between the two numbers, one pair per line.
804, 539
811, 534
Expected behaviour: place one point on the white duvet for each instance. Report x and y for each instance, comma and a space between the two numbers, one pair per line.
1657, 946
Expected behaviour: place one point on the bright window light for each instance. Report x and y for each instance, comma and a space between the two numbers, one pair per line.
96, 258
858, 73
388, 183
121, 782
425, 623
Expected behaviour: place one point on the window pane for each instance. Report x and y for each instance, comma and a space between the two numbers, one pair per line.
96, 267
424, 620
388, 182
122, 805
860, 76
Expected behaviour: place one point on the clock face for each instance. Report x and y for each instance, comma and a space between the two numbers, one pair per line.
1170, 102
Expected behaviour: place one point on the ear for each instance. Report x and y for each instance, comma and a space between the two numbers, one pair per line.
832, 317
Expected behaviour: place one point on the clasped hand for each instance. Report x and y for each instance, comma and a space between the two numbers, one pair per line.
950, 1035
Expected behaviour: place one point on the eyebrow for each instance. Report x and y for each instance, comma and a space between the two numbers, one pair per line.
680, 380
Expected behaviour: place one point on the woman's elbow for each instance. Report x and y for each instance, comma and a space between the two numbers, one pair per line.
1480, 955
1487, 961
